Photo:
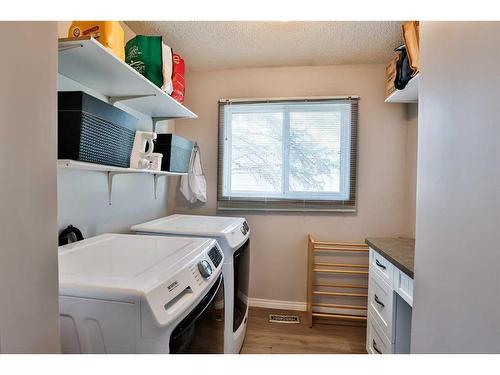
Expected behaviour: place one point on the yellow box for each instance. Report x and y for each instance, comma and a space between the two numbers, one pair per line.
109, 33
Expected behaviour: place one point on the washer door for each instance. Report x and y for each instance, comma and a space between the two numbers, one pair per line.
202, 330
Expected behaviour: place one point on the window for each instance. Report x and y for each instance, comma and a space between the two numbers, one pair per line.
288, 155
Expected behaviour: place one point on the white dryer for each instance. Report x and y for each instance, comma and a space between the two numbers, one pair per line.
233, 236
123, 293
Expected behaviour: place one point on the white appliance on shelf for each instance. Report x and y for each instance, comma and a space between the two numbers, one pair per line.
142, 149
122, 293
233, 236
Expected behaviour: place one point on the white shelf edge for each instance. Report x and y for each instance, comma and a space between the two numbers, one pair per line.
408, 95
84, 166
66, 44
112, 172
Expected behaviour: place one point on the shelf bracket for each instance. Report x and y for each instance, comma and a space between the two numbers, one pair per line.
110, 186
158, 119
155, 182
115, 99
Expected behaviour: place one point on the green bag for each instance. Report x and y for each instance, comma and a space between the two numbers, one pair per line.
144, 54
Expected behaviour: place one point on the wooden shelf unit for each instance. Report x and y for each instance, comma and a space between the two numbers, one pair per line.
352, 291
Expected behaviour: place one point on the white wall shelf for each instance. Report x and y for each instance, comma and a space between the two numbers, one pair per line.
89, 63
408, 95
112, 172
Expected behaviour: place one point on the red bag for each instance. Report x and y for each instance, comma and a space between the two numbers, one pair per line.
178, 78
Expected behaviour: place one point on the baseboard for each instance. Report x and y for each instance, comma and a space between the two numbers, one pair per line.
277, 304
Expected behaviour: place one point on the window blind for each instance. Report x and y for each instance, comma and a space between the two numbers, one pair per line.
288, 154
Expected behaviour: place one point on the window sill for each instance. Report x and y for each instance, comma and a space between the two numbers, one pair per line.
250, 206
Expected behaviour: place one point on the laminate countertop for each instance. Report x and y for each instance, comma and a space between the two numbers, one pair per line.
398, 251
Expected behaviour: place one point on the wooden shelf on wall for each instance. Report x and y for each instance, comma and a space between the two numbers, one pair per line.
80, 165
88, 62
111, 171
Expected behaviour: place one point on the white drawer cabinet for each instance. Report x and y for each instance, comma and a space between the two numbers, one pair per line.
376, 342
390, 301
381, 266
403, 285
380, 300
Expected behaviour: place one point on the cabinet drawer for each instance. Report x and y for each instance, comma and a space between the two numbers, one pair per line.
403, 285
380, 303
376, 342
381, 266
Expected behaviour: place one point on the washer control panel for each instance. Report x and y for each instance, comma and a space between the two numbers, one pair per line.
215, 256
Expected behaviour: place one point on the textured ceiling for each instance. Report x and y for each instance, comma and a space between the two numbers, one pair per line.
212, 45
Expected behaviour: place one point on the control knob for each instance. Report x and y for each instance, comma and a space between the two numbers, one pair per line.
205, 269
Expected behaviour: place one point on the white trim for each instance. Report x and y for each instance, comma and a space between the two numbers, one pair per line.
277, 304
284, 109
346, 210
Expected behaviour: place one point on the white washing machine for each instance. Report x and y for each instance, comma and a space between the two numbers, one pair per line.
233, 236
123, 293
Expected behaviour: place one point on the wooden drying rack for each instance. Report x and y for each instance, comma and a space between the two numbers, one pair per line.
314, 268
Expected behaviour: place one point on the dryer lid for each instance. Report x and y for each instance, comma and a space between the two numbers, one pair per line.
196, 225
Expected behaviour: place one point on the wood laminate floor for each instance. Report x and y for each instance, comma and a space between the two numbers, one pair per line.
264, 337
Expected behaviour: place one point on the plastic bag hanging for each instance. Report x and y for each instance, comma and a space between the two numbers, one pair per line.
194, 185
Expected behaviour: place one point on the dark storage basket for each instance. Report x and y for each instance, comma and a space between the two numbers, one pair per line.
176, 152
93, 131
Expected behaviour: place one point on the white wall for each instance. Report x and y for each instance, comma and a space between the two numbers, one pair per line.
28, 223
83, 195
278, 253
457, 282
411, 164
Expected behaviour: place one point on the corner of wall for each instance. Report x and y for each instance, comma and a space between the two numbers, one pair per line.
411, 164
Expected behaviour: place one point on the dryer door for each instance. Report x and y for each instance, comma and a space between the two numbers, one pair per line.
241, 264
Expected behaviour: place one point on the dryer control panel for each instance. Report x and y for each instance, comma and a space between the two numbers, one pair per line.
238, 235
245, 228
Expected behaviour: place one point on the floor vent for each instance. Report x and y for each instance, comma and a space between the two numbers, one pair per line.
273, 318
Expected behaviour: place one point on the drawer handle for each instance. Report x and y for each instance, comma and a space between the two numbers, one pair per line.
374, 344
378, 301
380, 264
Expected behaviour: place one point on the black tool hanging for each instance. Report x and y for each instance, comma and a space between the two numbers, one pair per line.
70, 234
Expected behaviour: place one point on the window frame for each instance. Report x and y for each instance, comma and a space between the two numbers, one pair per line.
316, 201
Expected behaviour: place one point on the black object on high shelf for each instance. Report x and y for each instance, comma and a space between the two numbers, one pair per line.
176, 152
93, 131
